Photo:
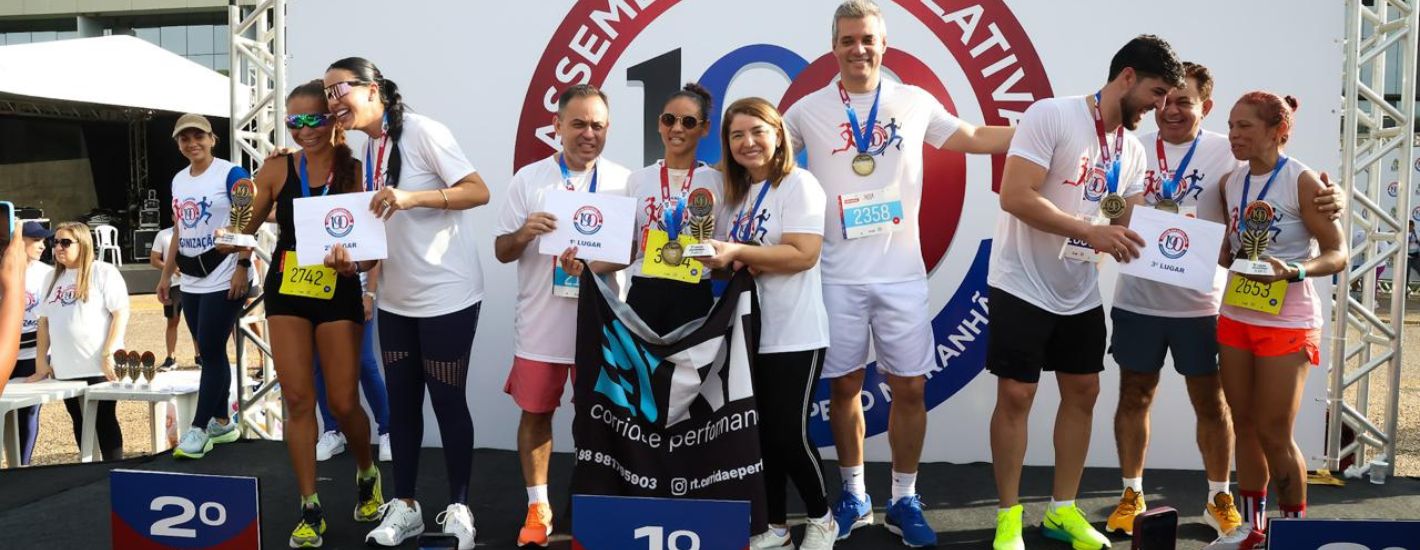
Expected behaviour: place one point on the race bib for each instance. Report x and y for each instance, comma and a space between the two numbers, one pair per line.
1248, 294
563, 284
870, 212
312, 281
657, 261
1080, 251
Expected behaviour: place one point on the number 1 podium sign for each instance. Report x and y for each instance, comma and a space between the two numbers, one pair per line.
640, 523
167, 510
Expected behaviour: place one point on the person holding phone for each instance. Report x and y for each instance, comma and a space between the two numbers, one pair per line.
33, 238
13, 263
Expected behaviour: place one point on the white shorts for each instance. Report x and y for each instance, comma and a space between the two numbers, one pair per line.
896, 316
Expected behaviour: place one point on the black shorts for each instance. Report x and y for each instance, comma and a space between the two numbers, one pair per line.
1026, 339
345, 305
173, 310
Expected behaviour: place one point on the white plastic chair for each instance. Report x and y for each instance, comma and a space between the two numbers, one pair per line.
106, 241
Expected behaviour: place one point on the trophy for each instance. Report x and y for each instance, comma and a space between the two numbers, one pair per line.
120, 366
134, 367
1255, 231
243, 194
702, 223
150, 368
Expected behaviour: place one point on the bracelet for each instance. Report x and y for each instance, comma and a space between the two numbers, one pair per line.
446, 198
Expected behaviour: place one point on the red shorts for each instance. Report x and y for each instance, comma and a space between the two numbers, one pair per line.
536, 386
1270, 341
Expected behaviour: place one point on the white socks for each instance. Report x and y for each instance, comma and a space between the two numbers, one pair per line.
1215, 487
903, 485
537, 494
1135, 483
1058, 504
853, 481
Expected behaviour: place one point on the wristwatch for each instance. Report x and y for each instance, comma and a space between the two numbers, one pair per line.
1301, 273
369, 294
244, 262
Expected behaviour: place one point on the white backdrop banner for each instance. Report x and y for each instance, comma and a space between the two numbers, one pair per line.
491, 71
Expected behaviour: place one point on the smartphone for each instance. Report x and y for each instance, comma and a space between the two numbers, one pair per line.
7, 219
436, 541
1156, 529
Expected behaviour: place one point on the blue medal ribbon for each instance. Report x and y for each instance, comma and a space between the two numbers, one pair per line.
305, 180
673, 221
567, 175
1261, 195
747, 230
1170, 186
862, 135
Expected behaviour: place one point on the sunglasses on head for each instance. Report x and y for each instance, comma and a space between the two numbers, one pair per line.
64, 243
340, 89
689, 122
313, 120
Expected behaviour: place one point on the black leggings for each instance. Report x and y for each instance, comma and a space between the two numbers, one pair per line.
105, 423
28, 417
211, 318
783, 388
429, 353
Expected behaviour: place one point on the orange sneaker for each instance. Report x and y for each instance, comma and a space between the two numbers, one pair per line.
1221, 514
537, 526
1131, 504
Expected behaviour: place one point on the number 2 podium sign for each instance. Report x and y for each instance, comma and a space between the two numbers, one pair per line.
165, 510
640, 523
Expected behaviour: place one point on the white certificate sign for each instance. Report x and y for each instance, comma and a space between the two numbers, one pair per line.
344, 219
1178, 250
600, 226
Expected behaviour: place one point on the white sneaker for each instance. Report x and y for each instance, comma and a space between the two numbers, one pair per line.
330, 444
402, 522
1242, 538
386, 454
769, 540
820, 536
458, 521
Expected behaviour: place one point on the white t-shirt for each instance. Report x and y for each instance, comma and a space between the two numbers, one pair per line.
1059, 135
1291, 242
201, 205
161, 241
908, 118
1212, 160
77, 330
792, 317
645, 186
433, 267
546, 325
36, 275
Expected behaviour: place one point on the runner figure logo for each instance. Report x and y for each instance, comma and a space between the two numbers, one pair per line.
339, 223
191, 211
65, 296
587, 220
1173, 243
884, 135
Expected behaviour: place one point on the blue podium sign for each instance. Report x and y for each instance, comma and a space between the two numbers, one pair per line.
165, 510
640, 523
1343, 534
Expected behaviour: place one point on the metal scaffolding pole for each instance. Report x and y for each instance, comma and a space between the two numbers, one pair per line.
1365, 340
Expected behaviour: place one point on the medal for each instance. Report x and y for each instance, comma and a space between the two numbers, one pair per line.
671, 253
1165, 205
1168, 188
1255, 227
863, 164
1113, 206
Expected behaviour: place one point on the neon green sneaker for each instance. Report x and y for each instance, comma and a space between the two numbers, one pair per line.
1008, 529
308, 532
1068, 524
370, 498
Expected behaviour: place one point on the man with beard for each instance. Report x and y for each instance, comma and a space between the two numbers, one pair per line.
1063, 191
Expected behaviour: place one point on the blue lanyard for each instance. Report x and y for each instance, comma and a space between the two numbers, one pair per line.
1261, 195
673, 221
1171, 186
746, 231
306, 186
567, 175
862, 135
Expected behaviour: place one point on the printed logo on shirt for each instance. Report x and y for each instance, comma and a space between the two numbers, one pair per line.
65, 295
587, 220
1275, 231
191, 211
1173, 243
761, 224
1154, 185
339, 223
1092, 177
30, 301
884, 135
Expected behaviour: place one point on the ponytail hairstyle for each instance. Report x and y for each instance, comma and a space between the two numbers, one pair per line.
366, 71
344, 169
697, 93
1275, 111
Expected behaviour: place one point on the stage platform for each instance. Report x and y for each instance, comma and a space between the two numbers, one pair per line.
67, 507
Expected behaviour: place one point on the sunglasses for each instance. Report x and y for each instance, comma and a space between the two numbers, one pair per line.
314, 120
689, 122
64, 243
340, 89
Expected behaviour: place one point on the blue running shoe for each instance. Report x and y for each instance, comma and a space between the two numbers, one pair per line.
904, 519
852, 513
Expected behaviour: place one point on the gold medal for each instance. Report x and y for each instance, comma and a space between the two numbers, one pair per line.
1167, 205
672, 253
1113, 206
864, 164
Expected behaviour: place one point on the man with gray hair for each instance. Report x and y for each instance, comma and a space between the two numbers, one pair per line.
874, 279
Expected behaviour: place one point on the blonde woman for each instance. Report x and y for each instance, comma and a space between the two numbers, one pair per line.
81, 319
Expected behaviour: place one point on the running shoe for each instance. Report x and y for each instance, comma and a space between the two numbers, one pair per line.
371, 498
1068, 524
457, 520
537, 527
308, 532
1242, 538
1008, 529
401, 522
223, 433
194, 444
329, 444
1130, 506
820, 535
1221, 514
167, 364
386, 454
772, 540
851, 513
904, 519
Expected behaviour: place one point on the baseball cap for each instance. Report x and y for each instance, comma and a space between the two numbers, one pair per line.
33, 230
192, 120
